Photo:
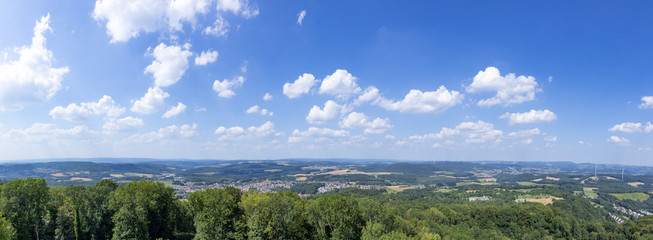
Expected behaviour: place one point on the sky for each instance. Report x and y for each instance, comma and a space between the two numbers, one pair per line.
411, 80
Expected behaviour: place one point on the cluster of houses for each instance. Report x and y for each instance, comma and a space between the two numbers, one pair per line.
266, 186
627, 211
616, 219
483, 198
328, 186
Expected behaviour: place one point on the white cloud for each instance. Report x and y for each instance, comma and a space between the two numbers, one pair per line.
169, 64
225, 87
619, 140
300, 17
174, 110
220, 28
471, 132
509, 89
649, 127
44, 132
551, 139
151, 102
238, 7
302, 85
527, 141
627, 127
238, 133
524, 133
340, 84
206, 57
31, 78
73, 112
123, 124
320, 116
257, 109
532, 116
169, 132
422, 102
647, 102
267, 97
359, 120
316, 134
370, 94
125, 19
389, 137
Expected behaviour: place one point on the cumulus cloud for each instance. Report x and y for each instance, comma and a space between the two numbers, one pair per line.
238, 7
417, 101
238, 133
257, 109
73, 112
169, 64
471, 132
551, 139
151, 102
359, 120
316, 134
302, 85
220, 28
510, 89
225, 87
174, 110
123, 124
300, 17
647, 102
125, 19
340, 84
31, 78
206, 57
166, 133
532, 116
619, 141
627, 127
525, 133
44, 132
320, 116
267, 97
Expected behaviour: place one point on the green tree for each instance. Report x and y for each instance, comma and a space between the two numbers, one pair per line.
335, 217
25, 202
275, 216
218, 214
143, 211
100, 213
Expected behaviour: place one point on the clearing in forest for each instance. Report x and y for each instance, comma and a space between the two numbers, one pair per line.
632, 196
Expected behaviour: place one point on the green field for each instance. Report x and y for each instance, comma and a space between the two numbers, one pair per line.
632, 196
527, 183
589, 192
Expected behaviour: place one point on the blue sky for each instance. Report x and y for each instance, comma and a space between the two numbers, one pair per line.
466, 80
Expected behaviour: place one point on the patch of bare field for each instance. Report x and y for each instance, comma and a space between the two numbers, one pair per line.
116, 175
57, 175
552, 178
349, 172
536, 180
543, 200
400, 188
635, 184
80, 179
301, 179
611, 178
272, 170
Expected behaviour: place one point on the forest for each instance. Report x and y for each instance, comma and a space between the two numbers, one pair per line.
146, 209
